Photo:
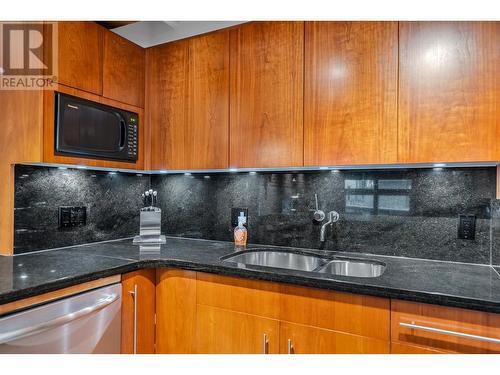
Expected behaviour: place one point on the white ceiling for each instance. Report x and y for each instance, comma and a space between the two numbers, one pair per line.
151, 33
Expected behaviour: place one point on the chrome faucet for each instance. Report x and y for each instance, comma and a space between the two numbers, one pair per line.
333, 216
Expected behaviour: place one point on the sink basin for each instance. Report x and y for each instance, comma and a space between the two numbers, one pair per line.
308, 262
354, 267
278, 259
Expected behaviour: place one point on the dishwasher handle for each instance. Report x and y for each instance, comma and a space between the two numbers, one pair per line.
60, 320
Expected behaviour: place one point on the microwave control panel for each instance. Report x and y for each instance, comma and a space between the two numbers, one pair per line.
132, 137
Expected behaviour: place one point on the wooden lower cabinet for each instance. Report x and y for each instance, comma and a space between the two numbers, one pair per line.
220, 331
175, 311
206, 313
443, 329
138, 309
413, 349
301, 339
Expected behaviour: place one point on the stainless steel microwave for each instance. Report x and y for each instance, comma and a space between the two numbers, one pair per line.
94, 130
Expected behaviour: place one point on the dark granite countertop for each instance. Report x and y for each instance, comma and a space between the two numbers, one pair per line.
451, 284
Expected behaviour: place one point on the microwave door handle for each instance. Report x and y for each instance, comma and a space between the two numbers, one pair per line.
123, 134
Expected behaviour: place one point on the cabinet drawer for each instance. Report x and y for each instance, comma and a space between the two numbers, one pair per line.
300, 339
345, 312
445, 328
237, 294
412, 349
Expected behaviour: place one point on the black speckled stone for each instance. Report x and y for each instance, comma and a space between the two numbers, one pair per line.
422, 224
112, 201
445, 283
495, 232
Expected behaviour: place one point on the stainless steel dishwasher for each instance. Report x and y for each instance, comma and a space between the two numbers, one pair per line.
85, 323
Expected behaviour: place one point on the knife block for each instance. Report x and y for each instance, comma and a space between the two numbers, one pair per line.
150, 227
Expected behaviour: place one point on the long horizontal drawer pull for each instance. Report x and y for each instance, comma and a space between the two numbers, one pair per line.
451, 333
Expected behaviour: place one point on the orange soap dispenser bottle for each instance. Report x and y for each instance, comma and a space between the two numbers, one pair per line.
240, 232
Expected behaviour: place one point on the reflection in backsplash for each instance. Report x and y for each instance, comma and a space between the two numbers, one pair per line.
412, 213
112, 201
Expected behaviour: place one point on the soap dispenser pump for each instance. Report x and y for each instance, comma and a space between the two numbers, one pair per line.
240, 232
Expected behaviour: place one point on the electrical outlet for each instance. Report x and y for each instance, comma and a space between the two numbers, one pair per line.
71, 216
235, 212
467, 227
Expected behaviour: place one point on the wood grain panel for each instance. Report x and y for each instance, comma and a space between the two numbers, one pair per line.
188, 84
397, 348
206, 144
350, 99
123, 70
175, 311
449, 91
266, 100
80, 48
238, 294
57, 294
20, 141
49, 155
352, 313
146, 289
167, 92
447, 318
227, 332
312, 340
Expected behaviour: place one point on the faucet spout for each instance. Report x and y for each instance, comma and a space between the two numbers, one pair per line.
333, 216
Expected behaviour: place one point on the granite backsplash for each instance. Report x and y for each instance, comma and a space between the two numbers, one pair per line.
112, 201
411, 213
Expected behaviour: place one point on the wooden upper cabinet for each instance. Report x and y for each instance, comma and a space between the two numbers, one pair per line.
188, 103
123, 70
266, 126
80, 55
167, 87
449, 93
350, 94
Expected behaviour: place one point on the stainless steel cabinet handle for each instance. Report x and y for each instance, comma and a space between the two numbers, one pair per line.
134, 296
450, 333
264, 344
60, 320
290, 346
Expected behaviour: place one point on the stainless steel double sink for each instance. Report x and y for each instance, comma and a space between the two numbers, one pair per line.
308, 262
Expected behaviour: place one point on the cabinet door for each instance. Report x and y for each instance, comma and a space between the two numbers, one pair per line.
188, 103
350, 95
80, 55
300, 339
138, 312
123, 70
266, 126
222, 331
167, 98
175, 311
448, 96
